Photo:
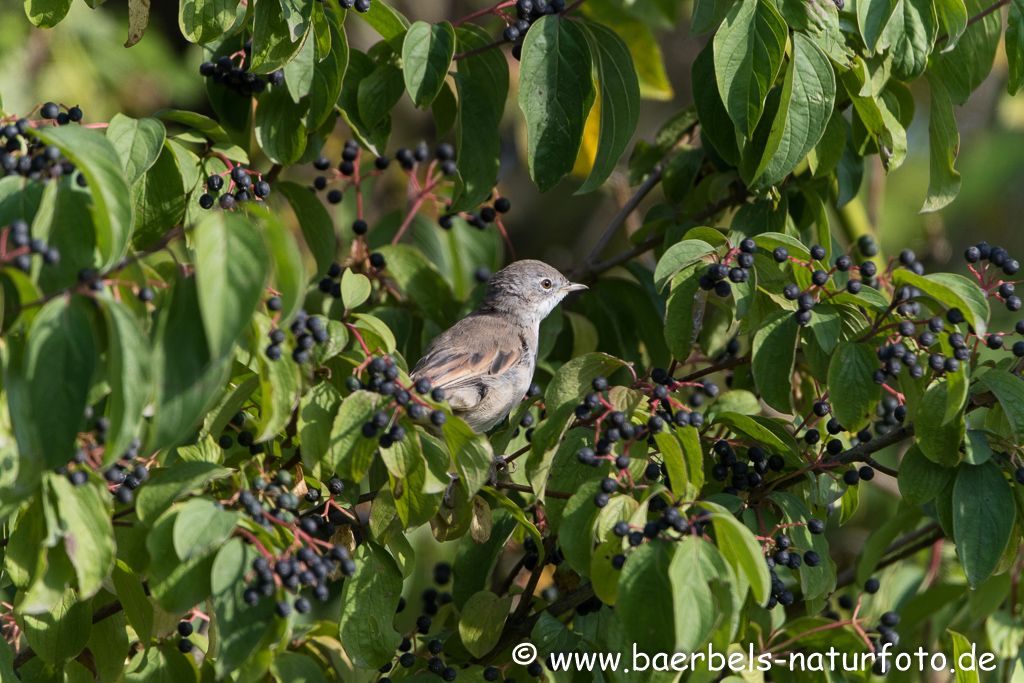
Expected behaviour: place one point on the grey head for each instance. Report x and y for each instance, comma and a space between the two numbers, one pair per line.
528, 290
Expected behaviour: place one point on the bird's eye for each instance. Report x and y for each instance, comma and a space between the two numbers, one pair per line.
546, 284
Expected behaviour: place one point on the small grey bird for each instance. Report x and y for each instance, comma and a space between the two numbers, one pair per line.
485, 362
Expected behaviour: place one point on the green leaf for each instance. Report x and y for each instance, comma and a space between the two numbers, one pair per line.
369, 599
298, 73
351, 453
137, 607
754, 430
168, 484
46, 13
574, 378
748, 51
969, 298
983, 517
683, 312
915, 38
374, 138
279, 126
378, 94
856, 394
715, 124
482, 84
977, 448
1015, 47
60, 634
872, 18
643, 606
421, 282
555, 92
177, 585
952, 291
289, 274
708, 14
272, 43
1009, 391
952, 20
203, 21
483, 617
619, 89
920, 479
200, 526
297, 15
388, 22
961, 647
940, 442
88, 534
96, 159
318, 409
314, 220
444, 110
232, 266
280, 383
138, 143
427, 53
355, 289
815, 582
742, 551
967, 65
60, 356
241, 627
159, 199
108, 643
943, 146
471, 452
679, 256
773, 357
805, 107
164, 663
328, 73
292, 667
682, 455
577, 530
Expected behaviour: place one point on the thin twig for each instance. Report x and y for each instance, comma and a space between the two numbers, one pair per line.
629, 207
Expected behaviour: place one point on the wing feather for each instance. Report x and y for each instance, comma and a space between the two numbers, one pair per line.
464, 358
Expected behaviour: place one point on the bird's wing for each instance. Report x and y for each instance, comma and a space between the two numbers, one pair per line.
462, 359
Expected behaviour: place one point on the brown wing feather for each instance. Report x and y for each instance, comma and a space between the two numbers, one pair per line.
464, 357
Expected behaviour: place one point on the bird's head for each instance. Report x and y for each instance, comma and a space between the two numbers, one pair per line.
529, 289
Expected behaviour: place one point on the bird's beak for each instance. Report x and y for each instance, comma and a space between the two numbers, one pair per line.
574, 287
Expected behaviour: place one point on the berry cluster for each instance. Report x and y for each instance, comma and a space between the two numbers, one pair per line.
613, 426
714, 278
184, 631
362, 6
435, 664
384, 379
749, 473
123, 477
239, 79
315, 561
245, 437
27, 156
308, 331
240, 181
480, 219
350, 173
780, 553
527, 12
17, 246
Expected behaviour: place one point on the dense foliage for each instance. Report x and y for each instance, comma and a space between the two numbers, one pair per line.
214, 465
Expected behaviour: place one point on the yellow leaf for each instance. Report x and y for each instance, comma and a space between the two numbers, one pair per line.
588, 148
